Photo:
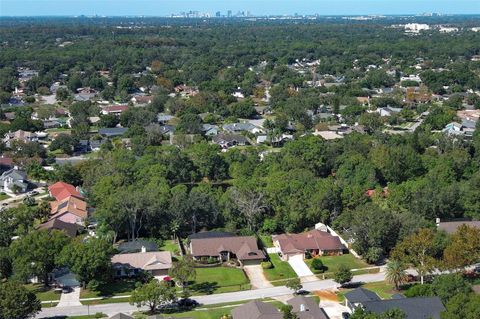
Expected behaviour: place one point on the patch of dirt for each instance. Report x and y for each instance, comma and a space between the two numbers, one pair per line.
326, 295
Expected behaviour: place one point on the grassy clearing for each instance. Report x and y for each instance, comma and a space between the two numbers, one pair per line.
170, 245
219, 279
116, 288
42, 293
266, 240
4, 196
280, 272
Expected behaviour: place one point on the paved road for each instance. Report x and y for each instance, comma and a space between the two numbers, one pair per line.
111, 309
15, 199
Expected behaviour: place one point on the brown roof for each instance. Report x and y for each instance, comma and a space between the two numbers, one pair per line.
115, 108
61, 190
69, 228
306, 308
153, 260
244, 247
451, 227
314, 239
256, 310
72, 204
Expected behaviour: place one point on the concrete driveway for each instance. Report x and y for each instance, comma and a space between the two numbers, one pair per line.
256, 276
301, 269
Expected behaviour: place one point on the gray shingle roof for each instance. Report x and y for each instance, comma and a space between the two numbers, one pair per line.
114, 131
256, 310
306, 308
414, 308
361, 295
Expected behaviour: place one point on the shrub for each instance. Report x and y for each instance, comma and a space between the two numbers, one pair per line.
93, 285
308, 255
419, 291
317, 265
267, 265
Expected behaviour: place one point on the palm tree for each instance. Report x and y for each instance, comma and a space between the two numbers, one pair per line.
395, 273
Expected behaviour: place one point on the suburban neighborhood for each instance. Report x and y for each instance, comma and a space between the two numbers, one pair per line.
235, 166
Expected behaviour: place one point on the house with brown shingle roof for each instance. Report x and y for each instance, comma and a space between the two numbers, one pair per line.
155, 262
69, 210
243, 248
314, 242
56, 224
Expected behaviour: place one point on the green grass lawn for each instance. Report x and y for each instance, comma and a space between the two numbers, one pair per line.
42, 293
332, 263
219, 279
4, 196
383, 289
170, 245
216, 311
266, 240
281, 270
116, 288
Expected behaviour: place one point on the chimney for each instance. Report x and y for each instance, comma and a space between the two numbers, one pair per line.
144, 249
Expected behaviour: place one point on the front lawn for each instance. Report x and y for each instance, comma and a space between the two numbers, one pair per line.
280, 272
42, 293
332, 263
217, 311
383, 289
219, 279
116, 288
4, 196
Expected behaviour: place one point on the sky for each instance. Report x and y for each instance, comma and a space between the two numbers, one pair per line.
256, 7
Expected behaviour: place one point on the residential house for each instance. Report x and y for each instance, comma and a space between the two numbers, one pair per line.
14, 181
210, 130
388, 111
256, 310
6, 163
314, 242
356, 297
72, 209
466, 128
243, 248
114, 109
61, 190
85, 94
142, 100
21, 136
167, 130
95, 145
306, 308
56, 224
229, 140
242, 127
164, 118
413, 308
112, 131
156, 263
327, 135
451, 226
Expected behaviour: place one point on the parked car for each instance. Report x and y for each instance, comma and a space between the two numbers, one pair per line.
33, 193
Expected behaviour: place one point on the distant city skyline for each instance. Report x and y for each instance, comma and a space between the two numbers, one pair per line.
255, 7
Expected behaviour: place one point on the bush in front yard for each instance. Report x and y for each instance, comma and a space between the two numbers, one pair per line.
317, 265
266, 265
